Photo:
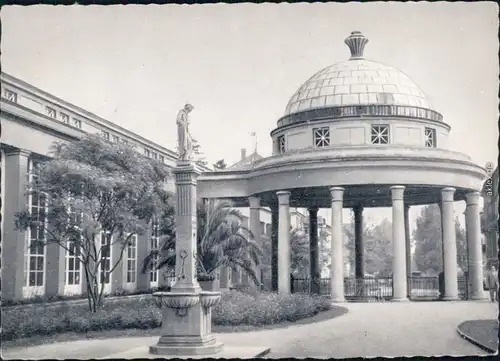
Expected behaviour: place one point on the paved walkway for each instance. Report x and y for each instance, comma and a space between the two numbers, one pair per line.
373, 329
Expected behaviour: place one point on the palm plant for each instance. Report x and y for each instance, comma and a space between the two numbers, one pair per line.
299, 253
223, 241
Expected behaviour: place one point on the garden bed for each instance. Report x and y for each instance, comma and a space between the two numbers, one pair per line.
236, 312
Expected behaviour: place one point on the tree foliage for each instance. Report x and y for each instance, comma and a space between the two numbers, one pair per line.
428, 242
378, 248
220, 164
299, 253
199, 156
223, 241
93, 187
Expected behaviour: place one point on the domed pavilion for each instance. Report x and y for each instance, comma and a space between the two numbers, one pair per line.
359, 134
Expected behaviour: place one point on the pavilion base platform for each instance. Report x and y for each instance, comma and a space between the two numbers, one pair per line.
227, 352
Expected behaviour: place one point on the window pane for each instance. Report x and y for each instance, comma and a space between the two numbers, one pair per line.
32, 278
40, 263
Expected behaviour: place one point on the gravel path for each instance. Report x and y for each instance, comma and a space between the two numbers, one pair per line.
369, 329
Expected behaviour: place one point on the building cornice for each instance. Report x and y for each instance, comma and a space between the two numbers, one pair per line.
88, 116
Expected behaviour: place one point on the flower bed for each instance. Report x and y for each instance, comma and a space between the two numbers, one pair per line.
234, 309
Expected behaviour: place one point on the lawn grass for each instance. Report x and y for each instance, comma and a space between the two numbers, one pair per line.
481, 332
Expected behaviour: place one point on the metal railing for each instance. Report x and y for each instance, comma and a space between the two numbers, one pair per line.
381, 288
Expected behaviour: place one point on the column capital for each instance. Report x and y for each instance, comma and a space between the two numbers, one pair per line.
18, 151
357, 209
283, 197
337, 193
472, 198
313, 209
447, 194
254, 202
397, 192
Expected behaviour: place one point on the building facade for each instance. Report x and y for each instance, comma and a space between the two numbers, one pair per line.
32, 120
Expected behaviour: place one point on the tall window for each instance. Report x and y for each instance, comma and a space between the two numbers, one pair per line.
281, 144
72, 264
51, 112
380, 134
146, 152
154, 155
114, 138
430, 137
321, 137
161, 158
262, 228
132, 260
77, 123
154, 245
9, 95
35, 252
105, 266
105, 135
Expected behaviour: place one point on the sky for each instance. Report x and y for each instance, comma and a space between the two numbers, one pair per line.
137, 65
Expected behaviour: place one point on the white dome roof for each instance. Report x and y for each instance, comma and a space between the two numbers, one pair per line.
357, 82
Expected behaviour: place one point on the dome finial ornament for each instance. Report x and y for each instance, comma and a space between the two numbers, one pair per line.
356, 43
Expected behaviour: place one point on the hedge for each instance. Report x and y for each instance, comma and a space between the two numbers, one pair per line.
235, 308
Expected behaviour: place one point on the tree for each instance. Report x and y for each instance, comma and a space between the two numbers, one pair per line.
378, 248
220, 165
200, 157
223, 241
428, 242
299, 253
99, 195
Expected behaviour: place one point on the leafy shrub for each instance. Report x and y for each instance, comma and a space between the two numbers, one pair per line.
235, 308
260, 309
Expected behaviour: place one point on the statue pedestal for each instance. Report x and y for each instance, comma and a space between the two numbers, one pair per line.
187, 315
187, 324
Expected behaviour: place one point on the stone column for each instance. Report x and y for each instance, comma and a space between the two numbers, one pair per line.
255, 228
119, 276
14, 241
143, 244
449, 245
408, 250
55, 279
472, 223
359, 246
187, 316
314, 263
337, 246
284, 242
186, 229
274, 247
398, 245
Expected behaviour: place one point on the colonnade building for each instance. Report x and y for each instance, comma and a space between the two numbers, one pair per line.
359, 134
32, 120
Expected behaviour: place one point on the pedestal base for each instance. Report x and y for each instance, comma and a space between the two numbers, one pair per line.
451, 298
191, 350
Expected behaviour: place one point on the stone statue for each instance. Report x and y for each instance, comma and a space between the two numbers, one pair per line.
183, 136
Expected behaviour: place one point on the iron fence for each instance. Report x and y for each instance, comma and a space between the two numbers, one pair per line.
424, 287
381, 288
